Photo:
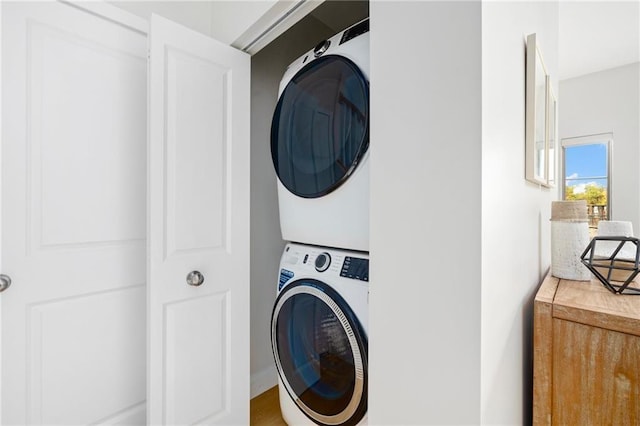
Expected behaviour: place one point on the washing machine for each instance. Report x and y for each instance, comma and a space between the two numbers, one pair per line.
319, 335
320, 141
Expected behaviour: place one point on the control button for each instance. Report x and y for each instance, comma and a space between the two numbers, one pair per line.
323, 261
321, 48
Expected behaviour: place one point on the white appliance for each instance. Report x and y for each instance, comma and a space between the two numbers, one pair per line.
320, 140
319, 335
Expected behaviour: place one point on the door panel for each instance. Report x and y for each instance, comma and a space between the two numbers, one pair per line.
320, 350
197, 98
198, 220
186, 351
104, 142
73, 217
60, 365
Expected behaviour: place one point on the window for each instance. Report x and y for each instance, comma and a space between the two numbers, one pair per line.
587, 174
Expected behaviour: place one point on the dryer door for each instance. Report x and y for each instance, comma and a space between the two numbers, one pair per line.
320, 351
320, 128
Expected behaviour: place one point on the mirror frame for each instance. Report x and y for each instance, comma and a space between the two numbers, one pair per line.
552, 137
536, 111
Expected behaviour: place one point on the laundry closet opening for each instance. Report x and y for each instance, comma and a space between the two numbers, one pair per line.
267, 69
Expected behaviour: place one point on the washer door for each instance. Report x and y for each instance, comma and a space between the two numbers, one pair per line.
320, 128
320, 351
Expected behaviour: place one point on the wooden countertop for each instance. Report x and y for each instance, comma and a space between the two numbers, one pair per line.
589, 302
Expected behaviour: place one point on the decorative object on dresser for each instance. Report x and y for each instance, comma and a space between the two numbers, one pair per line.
616, 262
610, 228
615, 228
586, 347
569, 237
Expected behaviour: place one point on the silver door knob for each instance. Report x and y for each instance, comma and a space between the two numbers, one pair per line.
195, 278
5, 282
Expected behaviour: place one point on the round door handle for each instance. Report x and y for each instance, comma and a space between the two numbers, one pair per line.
5, 282
195, 278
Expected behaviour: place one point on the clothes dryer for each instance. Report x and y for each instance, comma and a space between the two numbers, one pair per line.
320, 141
319, 335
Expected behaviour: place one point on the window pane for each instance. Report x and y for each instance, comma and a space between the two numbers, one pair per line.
587, 177
583, 161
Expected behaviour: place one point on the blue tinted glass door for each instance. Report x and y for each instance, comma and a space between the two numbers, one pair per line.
320, 128
320, 353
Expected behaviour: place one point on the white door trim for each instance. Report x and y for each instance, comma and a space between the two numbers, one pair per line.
282, 16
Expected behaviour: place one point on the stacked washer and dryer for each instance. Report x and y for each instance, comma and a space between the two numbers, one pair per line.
319, 145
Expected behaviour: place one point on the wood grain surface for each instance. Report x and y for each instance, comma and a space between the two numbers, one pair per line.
596, 377
265, 409
586, 355
542, 350
592, 304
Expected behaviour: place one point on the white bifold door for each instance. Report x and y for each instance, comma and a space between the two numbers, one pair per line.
121, 175
199, 229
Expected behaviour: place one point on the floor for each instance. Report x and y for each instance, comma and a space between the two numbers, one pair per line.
265, 409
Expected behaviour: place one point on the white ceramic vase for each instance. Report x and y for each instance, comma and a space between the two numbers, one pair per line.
615, 228
569, 239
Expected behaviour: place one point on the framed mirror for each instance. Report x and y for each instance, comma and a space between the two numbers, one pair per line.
536, 167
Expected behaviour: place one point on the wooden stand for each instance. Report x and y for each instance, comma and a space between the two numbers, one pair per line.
586, 355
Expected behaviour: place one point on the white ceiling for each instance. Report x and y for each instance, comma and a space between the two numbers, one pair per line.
597, 35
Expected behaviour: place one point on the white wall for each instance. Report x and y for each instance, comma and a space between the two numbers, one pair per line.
515, 213
602, 102
425, 213
453, 277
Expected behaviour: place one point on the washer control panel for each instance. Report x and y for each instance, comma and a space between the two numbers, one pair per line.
324, 263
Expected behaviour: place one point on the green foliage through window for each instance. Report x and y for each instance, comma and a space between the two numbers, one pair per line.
594, 194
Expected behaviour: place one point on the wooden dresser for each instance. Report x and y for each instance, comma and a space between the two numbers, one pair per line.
586, 355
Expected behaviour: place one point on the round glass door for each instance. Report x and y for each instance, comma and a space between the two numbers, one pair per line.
320, 351
320, 128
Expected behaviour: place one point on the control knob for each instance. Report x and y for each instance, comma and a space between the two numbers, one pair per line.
323, 260
321, 48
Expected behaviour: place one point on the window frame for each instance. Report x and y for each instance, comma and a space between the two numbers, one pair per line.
599, 138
